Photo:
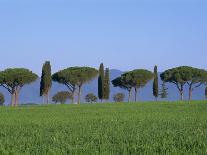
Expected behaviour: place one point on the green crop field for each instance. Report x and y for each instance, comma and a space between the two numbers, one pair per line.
121, 128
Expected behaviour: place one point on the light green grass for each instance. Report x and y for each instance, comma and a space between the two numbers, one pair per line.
122, 128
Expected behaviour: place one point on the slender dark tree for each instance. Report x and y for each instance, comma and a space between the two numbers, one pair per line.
206, 92
106, 94
46, 81
101, 82
155, 84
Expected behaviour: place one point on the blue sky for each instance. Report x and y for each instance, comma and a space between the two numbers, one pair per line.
124, 34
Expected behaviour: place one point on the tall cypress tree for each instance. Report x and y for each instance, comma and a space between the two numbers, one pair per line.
155, 84
46, 81
206, 92
101, 82
106, 84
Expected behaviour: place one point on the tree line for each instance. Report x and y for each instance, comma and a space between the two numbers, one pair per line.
13, 79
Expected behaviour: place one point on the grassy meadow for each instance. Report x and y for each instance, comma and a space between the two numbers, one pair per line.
116, 128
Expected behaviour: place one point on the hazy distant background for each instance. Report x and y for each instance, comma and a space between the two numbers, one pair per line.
123, 34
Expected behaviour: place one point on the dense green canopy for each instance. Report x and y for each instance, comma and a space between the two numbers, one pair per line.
74, 77
134, 79
185, 75
138, 78
13, 79
16, 77
122, 83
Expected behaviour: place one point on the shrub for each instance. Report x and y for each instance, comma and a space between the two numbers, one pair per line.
119, 97
1, 99
91, 98
61, 97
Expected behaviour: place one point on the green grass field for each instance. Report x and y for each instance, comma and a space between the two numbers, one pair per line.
141, 128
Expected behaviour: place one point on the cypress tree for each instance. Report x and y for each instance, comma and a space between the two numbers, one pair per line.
106, 84
155, 84
46, 81
101, 82
206, 92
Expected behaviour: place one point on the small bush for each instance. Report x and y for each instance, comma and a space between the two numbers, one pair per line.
119, 97
2, 100
61, 97
91, 98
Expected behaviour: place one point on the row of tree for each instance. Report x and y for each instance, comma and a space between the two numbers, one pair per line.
75, 77
179, 76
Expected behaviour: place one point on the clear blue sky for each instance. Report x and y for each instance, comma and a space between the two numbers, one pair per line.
124, 34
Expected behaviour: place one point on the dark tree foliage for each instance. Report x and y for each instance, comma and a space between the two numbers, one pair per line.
74, 78
183, 75
197, 78
106, 93
14, 79
2, 100
91, 98
155, 84
119, 97
163, 93
46, 81
62, 97
206, 92
101, 82
123, 84
137, 79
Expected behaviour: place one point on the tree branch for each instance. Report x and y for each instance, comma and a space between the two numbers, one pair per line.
7, 87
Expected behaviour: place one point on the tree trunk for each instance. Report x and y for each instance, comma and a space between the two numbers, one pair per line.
43, 99
181, 93
13, 99
135, 97
156, 99
47, 95
79, 94
73, 97
16, 98
130, 93
190, 93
